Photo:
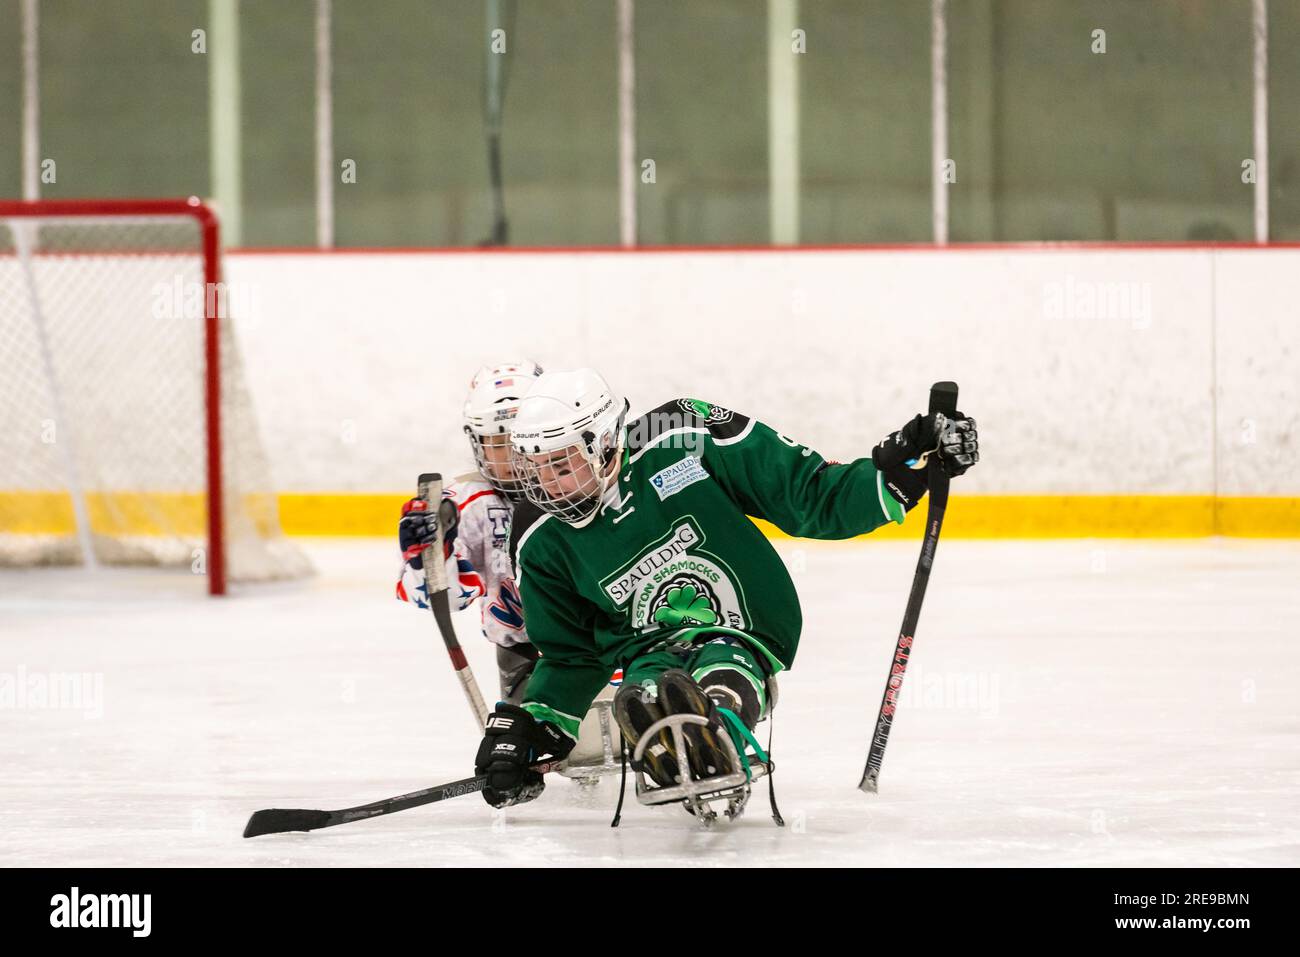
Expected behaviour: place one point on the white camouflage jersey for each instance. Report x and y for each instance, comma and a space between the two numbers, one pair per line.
479, 565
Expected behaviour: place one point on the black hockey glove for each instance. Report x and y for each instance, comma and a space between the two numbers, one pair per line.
512, 740
418, 529
955, 440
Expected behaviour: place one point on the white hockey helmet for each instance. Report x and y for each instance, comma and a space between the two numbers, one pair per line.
494, 396
567, 440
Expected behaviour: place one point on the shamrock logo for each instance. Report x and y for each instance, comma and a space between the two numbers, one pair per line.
685, 604
711, 414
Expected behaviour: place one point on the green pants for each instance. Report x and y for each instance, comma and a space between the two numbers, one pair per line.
698, 661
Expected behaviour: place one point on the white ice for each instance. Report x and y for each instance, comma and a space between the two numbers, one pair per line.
1068, 703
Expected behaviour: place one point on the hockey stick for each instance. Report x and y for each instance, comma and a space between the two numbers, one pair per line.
278, 820
943, 398
435, 586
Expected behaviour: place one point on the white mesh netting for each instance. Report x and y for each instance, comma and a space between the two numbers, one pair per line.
103, 431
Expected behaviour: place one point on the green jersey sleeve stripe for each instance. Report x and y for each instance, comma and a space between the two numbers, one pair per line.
565, 722
893, 510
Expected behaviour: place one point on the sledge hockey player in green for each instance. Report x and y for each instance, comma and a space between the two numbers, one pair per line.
634, 551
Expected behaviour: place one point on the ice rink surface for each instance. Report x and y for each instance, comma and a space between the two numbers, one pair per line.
1071, 703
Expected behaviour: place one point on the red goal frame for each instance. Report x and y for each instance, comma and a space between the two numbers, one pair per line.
210, 230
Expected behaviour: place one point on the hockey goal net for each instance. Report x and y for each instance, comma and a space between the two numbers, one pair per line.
127, 432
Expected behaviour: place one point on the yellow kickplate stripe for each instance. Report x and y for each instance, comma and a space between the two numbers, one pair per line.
974, 516
1101, 516
1258, 517
170, 514
357, 513
111, 513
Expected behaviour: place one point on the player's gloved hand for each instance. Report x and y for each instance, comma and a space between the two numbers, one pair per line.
901, 456
513, 740
959, 445
418, 529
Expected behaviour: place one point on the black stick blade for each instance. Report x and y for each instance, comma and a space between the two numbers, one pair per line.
278, 820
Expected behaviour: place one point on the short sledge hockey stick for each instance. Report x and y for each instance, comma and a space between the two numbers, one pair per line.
435, 577
943, 398
278, 820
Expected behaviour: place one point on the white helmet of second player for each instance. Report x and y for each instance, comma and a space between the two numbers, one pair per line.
567, 439
494, 396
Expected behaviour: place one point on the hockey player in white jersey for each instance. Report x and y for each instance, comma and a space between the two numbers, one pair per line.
477, 548
478, 556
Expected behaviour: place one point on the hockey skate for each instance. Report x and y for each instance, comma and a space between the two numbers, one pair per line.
716, 771
636, 711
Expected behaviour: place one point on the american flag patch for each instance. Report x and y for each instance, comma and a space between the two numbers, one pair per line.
504, 382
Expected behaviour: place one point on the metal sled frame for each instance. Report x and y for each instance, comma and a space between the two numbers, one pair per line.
698, 794
589, 775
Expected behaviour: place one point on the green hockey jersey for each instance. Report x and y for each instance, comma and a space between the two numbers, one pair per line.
673, 555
